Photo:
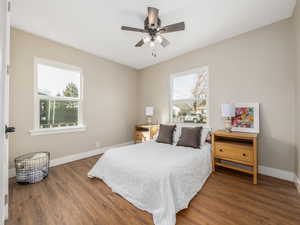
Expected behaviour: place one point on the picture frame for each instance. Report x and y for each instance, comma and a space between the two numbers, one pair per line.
246, 118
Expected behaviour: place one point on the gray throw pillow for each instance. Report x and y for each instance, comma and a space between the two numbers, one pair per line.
190, 137
166, 134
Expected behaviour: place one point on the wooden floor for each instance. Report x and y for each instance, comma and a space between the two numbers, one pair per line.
69, 197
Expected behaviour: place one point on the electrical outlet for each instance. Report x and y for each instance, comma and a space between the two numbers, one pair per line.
97, 144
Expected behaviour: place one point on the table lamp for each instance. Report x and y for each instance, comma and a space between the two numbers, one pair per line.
228, 111
149, 112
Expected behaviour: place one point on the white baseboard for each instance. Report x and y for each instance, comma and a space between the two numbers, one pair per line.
297, 183
71, 158
12, 172
281, 174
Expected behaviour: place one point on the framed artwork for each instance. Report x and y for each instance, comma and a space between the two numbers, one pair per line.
246, 117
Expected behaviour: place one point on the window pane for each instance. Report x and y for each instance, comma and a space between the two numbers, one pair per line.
184, 112
54, 113
190, 94
54, 81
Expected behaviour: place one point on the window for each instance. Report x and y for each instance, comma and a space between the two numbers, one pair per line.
58, 97
189, 97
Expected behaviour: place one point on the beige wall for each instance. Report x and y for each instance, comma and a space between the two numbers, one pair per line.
109, 98
296, 20
258, 66
254, 67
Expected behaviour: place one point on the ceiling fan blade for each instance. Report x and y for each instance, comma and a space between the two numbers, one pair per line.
140, 43
152, 16
173, 28
164, 42
133, 29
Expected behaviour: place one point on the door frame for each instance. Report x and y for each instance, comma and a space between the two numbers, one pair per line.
4, 62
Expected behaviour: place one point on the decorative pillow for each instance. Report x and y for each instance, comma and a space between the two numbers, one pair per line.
208, 138
203, 135
166, 134
190, 137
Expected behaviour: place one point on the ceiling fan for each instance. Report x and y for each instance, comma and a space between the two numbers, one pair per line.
153, 29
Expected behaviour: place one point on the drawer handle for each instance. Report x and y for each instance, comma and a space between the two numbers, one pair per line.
244, 154
221, 150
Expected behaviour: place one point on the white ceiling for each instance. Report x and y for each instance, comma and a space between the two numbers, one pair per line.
94, 25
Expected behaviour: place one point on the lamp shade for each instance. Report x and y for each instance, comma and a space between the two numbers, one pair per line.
149, 111
228, 110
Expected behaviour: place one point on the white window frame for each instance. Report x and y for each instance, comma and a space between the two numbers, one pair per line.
36, 125
188, 72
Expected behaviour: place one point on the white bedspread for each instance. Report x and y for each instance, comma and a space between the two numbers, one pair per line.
158, 178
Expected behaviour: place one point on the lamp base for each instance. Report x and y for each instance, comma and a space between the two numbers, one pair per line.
228, 130
149, 120
228, 126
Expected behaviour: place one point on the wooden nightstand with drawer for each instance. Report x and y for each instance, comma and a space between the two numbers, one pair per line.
236, 151
144, 132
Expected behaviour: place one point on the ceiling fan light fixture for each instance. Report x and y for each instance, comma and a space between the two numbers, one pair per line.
147, 39
158, 38
152, 44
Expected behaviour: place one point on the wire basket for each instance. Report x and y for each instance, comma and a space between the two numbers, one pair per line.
32, 167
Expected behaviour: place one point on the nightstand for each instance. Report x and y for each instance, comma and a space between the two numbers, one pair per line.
236, 151
145, 132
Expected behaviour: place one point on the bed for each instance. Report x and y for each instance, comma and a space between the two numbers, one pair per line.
158, 178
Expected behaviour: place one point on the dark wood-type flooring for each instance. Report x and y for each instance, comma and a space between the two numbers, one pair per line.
69, 197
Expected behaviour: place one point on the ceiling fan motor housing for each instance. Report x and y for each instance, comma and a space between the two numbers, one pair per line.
148, 26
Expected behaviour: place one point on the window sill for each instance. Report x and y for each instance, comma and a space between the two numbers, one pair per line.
204, 125
58, 130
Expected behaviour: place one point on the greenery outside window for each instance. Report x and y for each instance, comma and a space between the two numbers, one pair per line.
58, 98
189, 97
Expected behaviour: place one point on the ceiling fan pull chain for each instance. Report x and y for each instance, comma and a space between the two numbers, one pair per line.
154, 54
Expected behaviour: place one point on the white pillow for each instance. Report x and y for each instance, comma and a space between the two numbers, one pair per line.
177, 134
204, 134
